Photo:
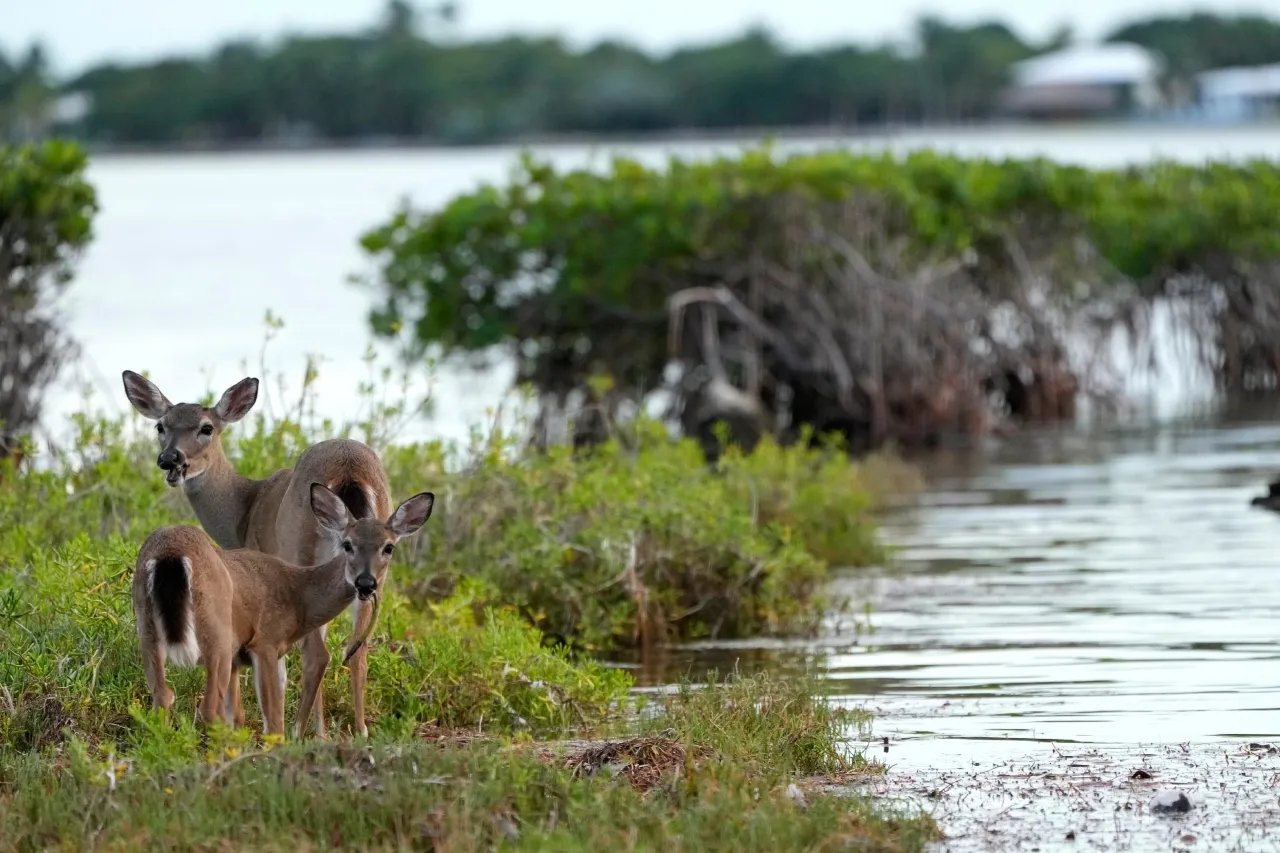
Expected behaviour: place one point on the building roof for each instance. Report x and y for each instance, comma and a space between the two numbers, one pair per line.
1067, 97
1255, 81
1119, 62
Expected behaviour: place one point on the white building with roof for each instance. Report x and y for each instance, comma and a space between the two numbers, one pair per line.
1086, 80
1227, 93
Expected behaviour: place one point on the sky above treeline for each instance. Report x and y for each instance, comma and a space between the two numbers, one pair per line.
80, 33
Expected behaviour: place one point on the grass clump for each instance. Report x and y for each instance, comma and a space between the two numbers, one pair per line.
642, 542
777, 726
459, 795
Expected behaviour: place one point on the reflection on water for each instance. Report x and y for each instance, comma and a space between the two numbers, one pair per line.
1099, 589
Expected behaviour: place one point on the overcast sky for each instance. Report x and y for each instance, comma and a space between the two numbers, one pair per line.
83, 32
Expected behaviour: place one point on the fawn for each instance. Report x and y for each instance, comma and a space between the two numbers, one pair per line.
196, 605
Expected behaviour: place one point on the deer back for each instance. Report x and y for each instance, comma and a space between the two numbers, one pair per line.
266, 599
346, 467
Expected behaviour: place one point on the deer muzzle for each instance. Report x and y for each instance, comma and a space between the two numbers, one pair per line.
366, 585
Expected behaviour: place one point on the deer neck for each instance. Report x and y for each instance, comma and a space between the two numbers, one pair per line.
324, 592
223, 500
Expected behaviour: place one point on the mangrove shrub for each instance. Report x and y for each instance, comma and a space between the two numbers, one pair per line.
877, 296
46, 213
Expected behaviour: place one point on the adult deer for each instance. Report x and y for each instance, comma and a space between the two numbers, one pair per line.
196, 605
273, 516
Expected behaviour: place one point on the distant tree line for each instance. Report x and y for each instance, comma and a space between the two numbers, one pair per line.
402, 78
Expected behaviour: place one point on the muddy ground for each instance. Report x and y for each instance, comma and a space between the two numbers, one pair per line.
1065, 798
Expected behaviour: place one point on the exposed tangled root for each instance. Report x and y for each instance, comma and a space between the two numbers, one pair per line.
832, 324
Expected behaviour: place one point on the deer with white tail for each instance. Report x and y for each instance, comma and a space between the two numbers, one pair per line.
196, 605
273, 516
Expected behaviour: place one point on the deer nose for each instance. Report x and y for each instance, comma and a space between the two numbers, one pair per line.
170, 459
366, 585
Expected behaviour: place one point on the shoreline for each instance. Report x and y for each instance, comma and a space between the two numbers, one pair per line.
742, 134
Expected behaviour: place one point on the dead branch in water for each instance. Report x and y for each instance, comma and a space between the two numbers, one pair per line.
834, 318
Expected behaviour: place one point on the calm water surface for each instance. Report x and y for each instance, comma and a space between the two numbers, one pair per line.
1105, 587
1066, 608
1092, 589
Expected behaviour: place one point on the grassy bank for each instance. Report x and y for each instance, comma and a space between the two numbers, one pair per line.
485, 730
737, 767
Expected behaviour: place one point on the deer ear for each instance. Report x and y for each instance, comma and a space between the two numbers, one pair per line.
329, 509
237, 400
145, 396
412, 514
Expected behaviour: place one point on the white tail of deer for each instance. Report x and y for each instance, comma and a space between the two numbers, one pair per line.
196, 605
273, 516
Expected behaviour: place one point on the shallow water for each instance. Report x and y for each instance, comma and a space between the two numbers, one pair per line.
1104, 589
1066, 593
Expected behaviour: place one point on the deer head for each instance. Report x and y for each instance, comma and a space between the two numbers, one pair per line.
368, 543
189, 434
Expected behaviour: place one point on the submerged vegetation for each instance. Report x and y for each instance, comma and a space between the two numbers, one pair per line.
884, 298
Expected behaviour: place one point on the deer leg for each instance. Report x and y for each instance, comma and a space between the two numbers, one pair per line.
266, 678
153, 666
234, 708
321, 651
360, 616
315, 660
217, 676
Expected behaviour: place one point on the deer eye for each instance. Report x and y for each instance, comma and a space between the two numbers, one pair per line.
207, 429
388, 548
346, 546
160, 428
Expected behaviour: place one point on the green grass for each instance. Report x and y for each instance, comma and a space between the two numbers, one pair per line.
759, 744
425, 797
773, 725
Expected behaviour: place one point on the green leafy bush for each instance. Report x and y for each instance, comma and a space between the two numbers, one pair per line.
890, 298
646, 542
46, 214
